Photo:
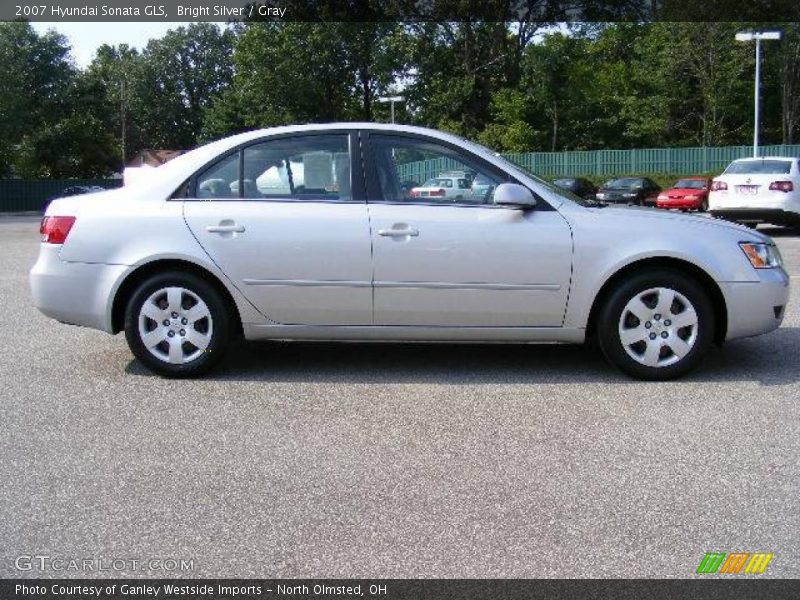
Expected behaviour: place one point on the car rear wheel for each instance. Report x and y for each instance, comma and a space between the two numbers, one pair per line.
656, 325
177, 325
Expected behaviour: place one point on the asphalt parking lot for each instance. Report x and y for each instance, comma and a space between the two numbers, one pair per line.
326, 460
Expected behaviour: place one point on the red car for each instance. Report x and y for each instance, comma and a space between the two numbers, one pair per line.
689, 193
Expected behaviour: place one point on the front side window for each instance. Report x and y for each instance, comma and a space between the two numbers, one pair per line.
312, 167
410, 170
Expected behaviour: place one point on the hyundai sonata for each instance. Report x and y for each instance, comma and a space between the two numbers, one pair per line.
311, 233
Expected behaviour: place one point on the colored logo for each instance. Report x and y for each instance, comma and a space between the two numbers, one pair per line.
734, 562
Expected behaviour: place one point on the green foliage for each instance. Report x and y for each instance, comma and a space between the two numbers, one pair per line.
514, 87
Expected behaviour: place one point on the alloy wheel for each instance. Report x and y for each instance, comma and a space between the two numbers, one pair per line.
175, 325
658, 327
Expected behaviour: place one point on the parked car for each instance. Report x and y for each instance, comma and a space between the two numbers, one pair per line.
641, 191
758, 190
577, 185
348, 255
444, 187
689, 193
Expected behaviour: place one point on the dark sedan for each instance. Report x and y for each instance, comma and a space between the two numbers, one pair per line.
641, 191
577, 185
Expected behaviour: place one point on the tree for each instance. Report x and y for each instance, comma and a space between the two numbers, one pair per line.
179, 77
114, 73
307, 72
35, 77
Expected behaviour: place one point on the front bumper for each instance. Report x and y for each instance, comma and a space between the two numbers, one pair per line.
74, 293
678, 203
756, 307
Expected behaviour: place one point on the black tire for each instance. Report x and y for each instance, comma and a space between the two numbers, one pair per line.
704, 206
220, 324
611, 313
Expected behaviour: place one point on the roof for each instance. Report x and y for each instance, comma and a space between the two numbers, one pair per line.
167, 178
766, 158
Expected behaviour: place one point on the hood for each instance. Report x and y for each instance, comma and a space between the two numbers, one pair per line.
681, 192
654, 217
617, 189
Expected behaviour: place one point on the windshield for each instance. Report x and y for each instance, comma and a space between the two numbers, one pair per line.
623, 182
690, 184
755, 167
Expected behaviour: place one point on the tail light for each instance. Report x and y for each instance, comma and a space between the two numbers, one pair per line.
718, 186
55, 230
781, 186
437, 194
414, 194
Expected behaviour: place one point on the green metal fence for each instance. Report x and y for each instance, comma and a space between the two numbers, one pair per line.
30, 194
593, 163
681, 161
19, 195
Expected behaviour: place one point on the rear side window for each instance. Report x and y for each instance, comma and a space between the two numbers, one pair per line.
756, 167
310, 167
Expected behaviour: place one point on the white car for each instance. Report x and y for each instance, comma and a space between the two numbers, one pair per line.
230, 240
445, 188
758, 190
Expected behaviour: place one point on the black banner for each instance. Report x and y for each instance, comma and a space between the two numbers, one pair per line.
401, 10
399, 589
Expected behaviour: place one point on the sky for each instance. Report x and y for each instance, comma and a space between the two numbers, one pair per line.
86, 38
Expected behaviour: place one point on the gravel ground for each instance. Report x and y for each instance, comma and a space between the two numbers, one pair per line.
383, 460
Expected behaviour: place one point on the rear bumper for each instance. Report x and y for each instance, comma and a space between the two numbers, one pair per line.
756, 307
777, 216
74, 293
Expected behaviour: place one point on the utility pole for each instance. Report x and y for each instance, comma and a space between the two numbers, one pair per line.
123, 116
391, 100
757, 36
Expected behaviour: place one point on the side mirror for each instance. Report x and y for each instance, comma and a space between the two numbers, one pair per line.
514, 195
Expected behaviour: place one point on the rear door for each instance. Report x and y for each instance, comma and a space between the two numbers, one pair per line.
285, 219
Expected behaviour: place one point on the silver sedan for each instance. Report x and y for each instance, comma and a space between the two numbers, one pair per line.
314, 233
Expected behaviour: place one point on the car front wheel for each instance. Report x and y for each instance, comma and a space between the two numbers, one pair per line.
177, 325
656, 326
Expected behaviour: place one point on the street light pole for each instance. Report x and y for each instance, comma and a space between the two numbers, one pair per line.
391, 100
757, 36
757, 97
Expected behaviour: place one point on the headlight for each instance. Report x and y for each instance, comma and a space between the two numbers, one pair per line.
692, 198
761, 255
663, 197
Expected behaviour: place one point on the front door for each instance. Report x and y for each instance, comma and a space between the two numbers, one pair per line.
280, 219
445, 261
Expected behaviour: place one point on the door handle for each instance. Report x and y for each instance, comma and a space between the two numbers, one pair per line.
398, 232
225, 229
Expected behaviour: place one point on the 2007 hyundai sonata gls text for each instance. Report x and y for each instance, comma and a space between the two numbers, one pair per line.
312, 232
